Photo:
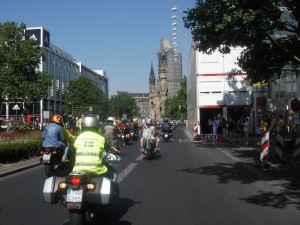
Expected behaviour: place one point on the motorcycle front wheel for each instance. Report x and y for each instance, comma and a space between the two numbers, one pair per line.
76, 218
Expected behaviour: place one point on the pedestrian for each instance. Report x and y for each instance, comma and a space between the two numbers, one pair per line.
210, 125
231, 128
72, 125
224, 126
240, 128
247, 130
215, 126
78, 124
280, 124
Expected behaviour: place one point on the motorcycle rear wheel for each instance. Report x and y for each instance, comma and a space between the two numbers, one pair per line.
76, 218
49, 170
149, 155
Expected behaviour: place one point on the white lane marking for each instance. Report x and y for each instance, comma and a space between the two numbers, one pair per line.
126, 171
129, 168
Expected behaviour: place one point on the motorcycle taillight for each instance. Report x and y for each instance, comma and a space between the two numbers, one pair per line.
76, 180
47, 149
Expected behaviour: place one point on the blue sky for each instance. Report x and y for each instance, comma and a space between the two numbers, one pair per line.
121, 37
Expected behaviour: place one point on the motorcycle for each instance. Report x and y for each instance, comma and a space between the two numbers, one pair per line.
85, 196
149, 146
124, 136
134, 134
51, 158
166, 135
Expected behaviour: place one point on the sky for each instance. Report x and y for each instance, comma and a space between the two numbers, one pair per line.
121, 37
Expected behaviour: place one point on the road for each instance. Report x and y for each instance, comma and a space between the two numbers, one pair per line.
186, 183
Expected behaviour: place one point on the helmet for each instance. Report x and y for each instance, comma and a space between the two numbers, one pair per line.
110, 119
166, 120
57, 119
148, 121
90, 121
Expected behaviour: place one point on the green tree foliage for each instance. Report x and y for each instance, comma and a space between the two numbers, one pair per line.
20, 57
82, 96
176, 107
123, 103
257, 25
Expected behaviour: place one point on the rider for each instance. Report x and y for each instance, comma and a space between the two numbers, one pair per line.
53, 135
166, 127
90, 146
149, 131
110, 131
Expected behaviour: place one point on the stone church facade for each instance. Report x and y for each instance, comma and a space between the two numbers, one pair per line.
167, 83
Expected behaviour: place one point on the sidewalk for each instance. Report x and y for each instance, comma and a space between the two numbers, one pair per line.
14, 167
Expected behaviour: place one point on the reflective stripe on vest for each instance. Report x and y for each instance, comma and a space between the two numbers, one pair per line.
88, 154
87, 164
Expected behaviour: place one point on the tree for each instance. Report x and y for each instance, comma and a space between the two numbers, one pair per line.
20, 58
176, 107
123, 103
82, 97
270, 37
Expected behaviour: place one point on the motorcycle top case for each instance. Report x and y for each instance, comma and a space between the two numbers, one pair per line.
105, 193
50, 190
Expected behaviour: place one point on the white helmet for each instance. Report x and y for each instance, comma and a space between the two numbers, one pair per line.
148, 121
110, 119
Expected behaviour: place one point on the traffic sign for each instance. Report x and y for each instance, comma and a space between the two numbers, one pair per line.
16, 107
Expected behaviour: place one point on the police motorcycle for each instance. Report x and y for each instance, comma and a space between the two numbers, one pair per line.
86, 197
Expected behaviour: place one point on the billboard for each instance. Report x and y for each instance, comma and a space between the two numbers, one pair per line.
40, 35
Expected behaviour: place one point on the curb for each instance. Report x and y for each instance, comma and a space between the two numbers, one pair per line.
17, 167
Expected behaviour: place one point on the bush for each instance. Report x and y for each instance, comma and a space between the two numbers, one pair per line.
17, 150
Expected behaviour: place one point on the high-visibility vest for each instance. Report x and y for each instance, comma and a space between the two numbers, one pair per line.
89, 148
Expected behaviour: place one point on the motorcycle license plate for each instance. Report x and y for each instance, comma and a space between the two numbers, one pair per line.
46, 157
74, 195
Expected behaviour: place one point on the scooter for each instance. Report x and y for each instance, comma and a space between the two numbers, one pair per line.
85, 196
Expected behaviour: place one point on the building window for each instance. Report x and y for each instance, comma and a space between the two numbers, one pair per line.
286, 87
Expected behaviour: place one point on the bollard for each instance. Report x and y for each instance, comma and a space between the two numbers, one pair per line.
279, 144
264, 154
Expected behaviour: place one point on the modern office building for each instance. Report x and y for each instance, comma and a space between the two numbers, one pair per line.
64, 68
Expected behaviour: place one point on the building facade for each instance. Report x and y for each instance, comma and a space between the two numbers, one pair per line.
168, 82
142, 101
64, 68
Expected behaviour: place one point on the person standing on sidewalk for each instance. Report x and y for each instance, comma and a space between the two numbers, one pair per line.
247, 130
240, 127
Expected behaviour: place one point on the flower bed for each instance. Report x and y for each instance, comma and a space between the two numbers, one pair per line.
17, 146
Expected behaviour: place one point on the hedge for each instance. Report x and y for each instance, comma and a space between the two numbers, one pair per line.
12, 151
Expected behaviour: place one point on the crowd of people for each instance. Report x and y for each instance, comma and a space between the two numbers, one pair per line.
241, 129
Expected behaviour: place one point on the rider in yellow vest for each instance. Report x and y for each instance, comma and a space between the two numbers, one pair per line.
89, 147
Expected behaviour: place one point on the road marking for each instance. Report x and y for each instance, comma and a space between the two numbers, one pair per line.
182, 140
126, 171
129, 168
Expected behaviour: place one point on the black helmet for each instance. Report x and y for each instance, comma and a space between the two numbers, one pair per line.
90, 121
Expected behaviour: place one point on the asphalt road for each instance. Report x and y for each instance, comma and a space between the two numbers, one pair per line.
187, 183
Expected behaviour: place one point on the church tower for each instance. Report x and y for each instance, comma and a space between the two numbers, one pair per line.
168, 81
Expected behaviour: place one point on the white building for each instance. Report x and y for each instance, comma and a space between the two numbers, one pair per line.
217, 86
